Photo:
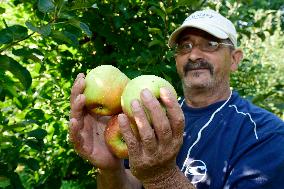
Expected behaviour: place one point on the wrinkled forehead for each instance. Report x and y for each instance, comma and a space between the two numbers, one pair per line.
187, 34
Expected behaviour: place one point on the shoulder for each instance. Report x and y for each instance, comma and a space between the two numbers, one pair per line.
260, 141
252, 126
259, 132
262, 119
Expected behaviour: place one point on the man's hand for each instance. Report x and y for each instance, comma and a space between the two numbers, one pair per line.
87, 131
152, 157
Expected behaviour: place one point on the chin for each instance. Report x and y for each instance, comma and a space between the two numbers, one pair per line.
197, 84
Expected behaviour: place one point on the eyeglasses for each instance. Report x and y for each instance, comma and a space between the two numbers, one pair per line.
207, 46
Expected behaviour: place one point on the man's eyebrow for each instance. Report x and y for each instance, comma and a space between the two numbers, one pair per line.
184, 38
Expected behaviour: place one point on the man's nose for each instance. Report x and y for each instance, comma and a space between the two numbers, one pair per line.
195, 54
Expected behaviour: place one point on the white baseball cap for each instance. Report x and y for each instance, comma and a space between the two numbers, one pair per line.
209, 21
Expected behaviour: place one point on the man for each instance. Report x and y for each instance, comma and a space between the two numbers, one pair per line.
212, 139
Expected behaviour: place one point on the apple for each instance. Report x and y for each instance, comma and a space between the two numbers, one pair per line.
104, 86
112, 134
114, 139
135, 86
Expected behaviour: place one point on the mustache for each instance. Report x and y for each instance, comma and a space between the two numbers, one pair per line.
198, 64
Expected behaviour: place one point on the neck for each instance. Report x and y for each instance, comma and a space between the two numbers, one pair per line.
198, 98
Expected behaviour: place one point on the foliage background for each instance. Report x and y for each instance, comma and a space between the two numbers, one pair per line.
44, 44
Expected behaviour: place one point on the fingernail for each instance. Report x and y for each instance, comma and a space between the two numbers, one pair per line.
135, 104
78, 98
80, 81
80, 75
146, 94
164, 91
122, 119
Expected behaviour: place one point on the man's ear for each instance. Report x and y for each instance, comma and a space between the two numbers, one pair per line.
237, 56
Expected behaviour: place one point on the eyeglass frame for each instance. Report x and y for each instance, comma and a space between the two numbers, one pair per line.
198, 45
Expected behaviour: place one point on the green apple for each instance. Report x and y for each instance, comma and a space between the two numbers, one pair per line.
104, 86
135, 86
114, 139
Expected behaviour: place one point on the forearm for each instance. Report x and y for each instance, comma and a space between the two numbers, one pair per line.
174, 179
117, 179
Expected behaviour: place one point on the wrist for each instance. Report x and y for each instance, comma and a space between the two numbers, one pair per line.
170, 179
112, 178
118, 170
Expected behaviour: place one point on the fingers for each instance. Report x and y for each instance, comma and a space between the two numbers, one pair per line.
146, 132
78, 107
87, 134
77, 99
75, 136
77, 88
158, 116
174, 112
79, 138
128, 135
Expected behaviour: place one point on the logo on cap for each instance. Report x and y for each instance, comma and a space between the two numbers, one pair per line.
199, 15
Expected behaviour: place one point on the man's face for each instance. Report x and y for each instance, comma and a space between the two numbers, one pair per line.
199, 69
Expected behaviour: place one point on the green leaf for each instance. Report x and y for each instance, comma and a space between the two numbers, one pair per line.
38, 133
45, 6
2, 10
155, 42
35, 114
4, 182
86, 29
19, 32
65, 37
16, 181
32, 163
59, 36
22, 52
12, 90
31, 26
159, 12
8, 86
154, 30
35, 144
193, 3
32, 54
72, 37
13, 33
21, 126
20, 72
43, 30
81, 25
5, 37
1, 90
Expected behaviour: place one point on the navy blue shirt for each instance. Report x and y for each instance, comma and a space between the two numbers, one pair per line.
232, 144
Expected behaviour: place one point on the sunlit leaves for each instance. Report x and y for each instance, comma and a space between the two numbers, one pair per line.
4, 182
20, 72
55, 40
38, 133
32, 163
43, 30
2, 10
84, 27
45, 6
36, 115
13, 33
